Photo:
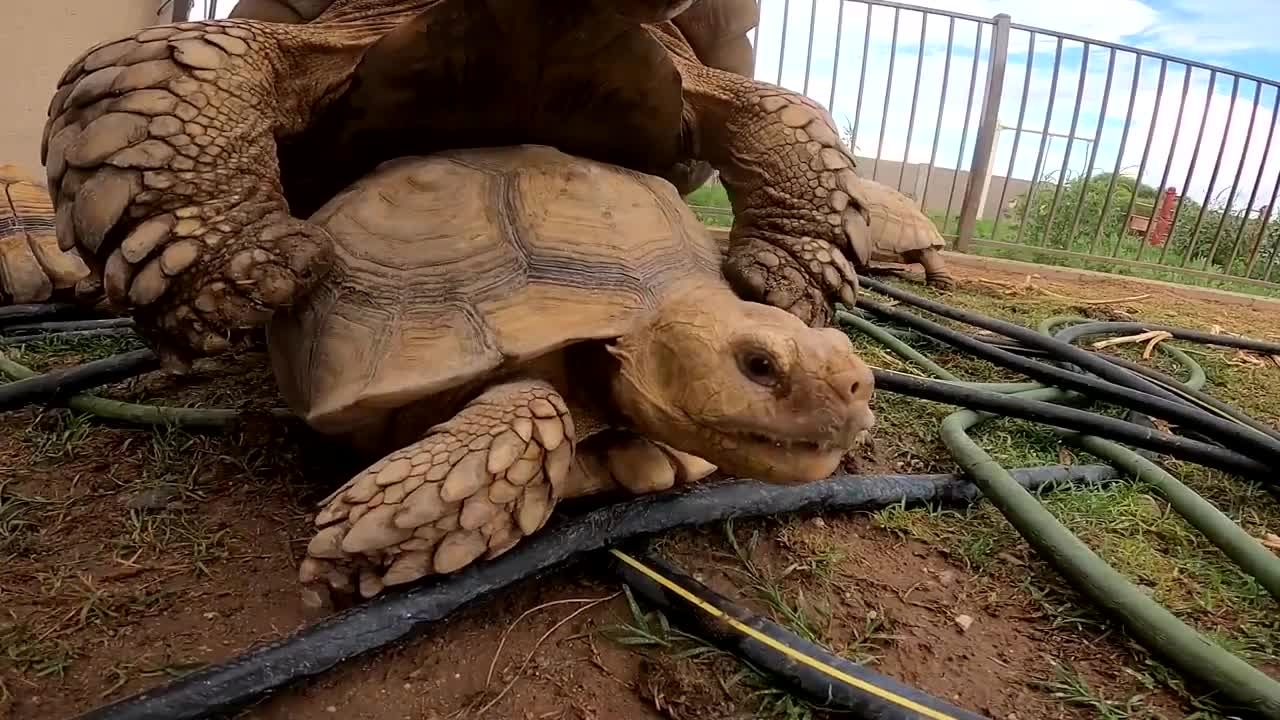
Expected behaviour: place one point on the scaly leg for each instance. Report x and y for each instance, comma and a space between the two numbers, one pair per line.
472, 488
935, 268
790, 180
160, 151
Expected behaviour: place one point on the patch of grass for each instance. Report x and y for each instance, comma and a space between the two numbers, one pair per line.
1070, 688
32, 653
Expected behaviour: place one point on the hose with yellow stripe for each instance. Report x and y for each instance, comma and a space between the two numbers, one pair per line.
827, 679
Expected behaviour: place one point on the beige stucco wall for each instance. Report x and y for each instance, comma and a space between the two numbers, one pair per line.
38, 39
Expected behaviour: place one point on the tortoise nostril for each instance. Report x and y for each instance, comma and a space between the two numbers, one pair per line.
853, 389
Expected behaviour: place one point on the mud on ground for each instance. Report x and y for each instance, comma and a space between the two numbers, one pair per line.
129, 557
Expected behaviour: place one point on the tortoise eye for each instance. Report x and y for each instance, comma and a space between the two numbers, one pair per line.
760, 368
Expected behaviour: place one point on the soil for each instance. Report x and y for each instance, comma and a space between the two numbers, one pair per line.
134, 556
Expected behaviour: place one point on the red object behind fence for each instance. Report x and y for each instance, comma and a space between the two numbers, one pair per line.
1164, 217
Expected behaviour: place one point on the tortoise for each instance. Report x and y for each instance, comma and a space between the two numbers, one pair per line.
506, 327
183, 158
900, 233
32, 267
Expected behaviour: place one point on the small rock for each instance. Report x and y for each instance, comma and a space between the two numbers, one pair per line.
946, 577
819, 522
964, 621
157, 498
1271, 540
1010, 559
331, 709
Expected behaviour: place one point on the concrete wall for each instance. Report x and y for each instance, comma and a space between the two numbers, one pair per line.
38, 40
939, 188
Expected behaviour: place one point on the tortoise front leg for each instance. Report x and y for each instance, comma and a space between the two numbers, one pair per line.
935, 268
160, 151
472, 487
790, 180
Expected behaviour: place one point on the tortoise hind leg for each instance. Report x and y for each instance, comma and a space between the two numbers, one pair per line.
936, 273
620, 459
472, 487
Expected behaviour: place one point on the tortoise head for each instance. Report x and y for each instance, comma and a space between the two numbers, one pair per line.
745, 386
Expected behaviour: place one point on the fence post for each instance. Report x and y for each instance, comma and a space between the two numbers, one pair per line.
180, 11
988, 125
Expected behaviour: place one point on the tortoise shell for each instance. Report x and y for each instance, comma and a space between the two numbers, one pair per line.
896, 225
460, 265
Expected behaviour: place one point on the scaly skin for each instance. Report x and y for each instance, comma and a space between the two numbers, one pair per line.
797, 206
32, 267
935, 268
472, 487
161, 157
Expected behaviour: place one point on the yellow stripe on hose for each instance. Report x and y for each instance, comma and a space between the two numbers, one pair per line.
780, 647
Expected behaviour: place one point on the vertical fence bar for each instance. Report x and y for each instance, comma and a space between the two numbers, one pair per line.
1173, 148
835, 59
1195, 155
1266, 220
782, 42
1093, 150
888, 92
1142, 166
964, 132
1213, 176
862, 79
808, 56
1017, 133
1235, 183
987, 128
942, 106
1124, 140
755, 42
1257, 185
1071, 139
1044, 141
915, 97
181, 11
1266, 153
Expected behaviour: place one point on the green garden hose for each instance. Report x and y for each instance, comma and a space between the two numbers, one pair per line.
1161, 631
139, 414
1193, 654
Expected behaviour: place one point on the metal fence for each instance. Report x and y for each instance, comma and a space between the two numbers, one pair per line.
1024, 142
1029, 143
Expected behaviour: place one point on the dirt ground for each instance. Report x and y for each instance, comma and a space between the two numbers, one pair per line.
129, 557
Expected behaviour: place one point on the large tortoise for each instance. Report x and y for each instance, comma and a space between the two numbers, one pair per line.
512, 326
32, 267
182, 158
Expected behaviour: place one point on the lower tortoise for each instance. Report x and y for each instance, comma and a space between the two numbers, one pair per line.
507, 327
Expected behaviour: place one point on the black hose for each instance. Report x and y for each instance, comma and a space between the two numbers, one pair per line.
36, 311
1108, 327
1024, 335
1264, 448
397, 614
1079, 420
1226, 409
60, 384
827, 680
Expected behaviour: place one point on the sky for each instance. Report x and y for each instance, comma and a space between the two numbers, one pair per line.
1234, 34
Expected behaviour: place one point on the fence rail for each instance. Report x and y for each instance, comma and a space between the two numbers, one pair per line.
1028, 142
1025, 142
